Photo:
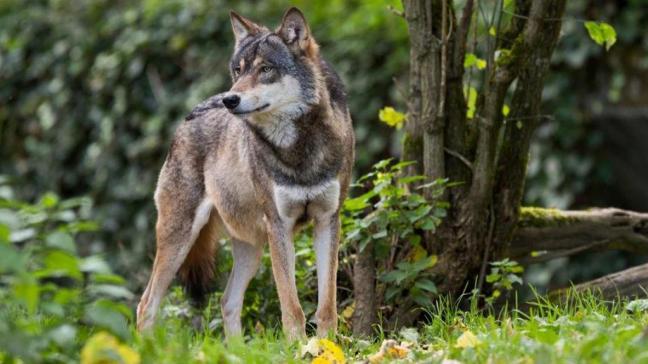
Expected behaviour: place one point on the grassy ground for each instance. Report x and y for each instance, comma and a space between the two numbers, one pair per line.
583, 330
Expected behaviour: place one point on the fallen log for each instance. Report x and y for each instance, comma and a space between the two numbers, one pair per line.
629, 283
545, 234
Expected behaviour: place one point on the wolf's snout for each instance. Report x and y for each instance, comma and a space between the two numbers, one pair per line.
231, 101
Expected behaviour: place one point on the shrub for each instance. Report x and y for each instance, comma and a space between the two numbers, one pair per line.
52, 298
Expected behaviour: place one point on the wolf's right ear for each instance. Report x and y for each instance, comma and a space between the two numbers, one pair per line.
242, 27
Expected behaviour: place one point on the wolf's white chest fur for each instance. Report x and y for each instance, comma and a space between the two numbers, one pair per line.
319, 200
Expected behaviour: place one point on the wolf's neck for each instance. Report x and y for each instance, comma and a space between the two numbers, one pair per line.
280, 132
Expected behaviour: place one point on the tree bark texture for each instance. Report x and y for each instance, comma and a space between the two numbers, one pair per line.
364, 291
423, 131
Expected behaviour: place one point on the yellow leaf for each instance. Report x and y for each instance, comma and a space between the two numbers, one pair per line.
417, 253
506, 110
391, 117
348, 311
103, 348
398, 351
324, 352
332, 352
312, 347
471, 101
321, 360
467, 340
472, 60
492, 31
389, 349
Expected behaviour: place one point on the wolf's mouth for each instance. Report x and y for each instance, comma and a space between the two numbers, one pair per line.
237, 112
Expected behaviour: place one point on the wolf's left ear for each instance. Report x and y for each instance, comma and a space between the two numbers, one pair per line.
295, 32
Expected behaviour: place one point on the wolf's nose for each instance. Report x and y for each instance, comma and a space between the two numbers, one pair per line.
231, 101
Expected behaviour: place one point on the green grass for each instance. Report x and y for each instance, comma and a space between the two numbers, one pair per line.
583, 329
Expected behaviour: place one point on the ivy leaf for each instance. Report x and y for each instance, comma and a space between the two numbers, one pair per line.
601, 33
61, 240
472, 60
391, 117
426, 285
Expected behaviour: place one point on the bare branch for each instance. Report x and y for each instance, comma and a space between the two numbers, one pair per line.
458, 155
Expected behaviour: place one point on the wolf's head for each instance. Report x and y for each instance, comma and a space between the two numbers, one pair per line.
275, 74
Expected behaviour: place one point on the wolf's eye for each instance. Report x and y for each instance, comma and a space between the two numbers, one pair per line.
266, 69
237, 70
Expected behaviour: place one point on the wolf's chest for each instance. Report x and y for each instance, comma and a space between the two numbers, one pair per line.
295, 201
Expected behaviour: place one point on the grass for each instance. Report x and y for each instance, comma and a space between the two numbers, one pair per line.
582, 329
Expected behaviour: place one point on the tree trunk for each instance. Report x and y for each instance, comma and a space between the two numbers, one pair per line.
487, 156
364, 289
489, 190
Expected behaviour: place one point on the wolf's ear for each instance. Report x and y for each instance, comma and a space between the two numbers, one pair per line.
242, 27
295, 32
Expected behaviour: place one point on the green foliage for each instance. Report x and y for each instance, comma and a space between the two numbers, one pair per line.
504, 273
601, 33
52, 297
92, 91
391, 218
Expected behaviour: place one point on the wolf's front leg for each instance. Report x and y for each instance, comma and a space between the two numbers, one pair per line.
327, 237
282, 254
247, 258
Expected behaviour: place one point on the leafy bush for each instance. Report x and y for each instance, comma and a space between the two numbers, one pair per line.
52, 298
390, 219
504, 273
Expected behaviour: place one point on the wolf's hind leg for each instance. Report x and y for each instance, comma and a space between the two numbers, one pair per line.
182, 212
247, 258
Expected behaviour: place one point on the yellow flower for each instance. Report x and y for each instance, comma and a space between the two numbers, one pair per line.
103, 348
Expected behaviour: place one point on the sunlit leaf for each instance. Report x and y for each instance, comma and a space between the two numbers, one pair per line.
467, 340
471, 101
601, 33
61, 240
472, 60
391, 117
103, 348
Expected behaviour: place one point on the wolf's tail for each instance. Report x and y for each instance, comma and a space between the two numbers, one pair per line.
198, 270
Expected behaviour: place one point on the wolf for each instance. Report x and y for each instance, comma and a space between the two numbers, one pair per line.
256, 164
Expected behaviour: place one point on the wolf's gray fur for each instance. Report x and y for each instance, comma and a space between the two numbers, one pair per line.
254, 164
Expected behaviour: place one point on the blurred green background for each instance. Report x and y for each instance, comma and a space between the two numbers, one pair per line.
92, 90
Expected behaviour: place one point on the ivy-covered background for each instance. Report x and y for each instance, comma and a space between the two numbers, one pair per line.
91, 92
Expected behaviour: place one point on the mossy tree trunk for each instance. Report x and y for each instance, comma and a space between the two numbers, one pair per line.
488, 154
491, 168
